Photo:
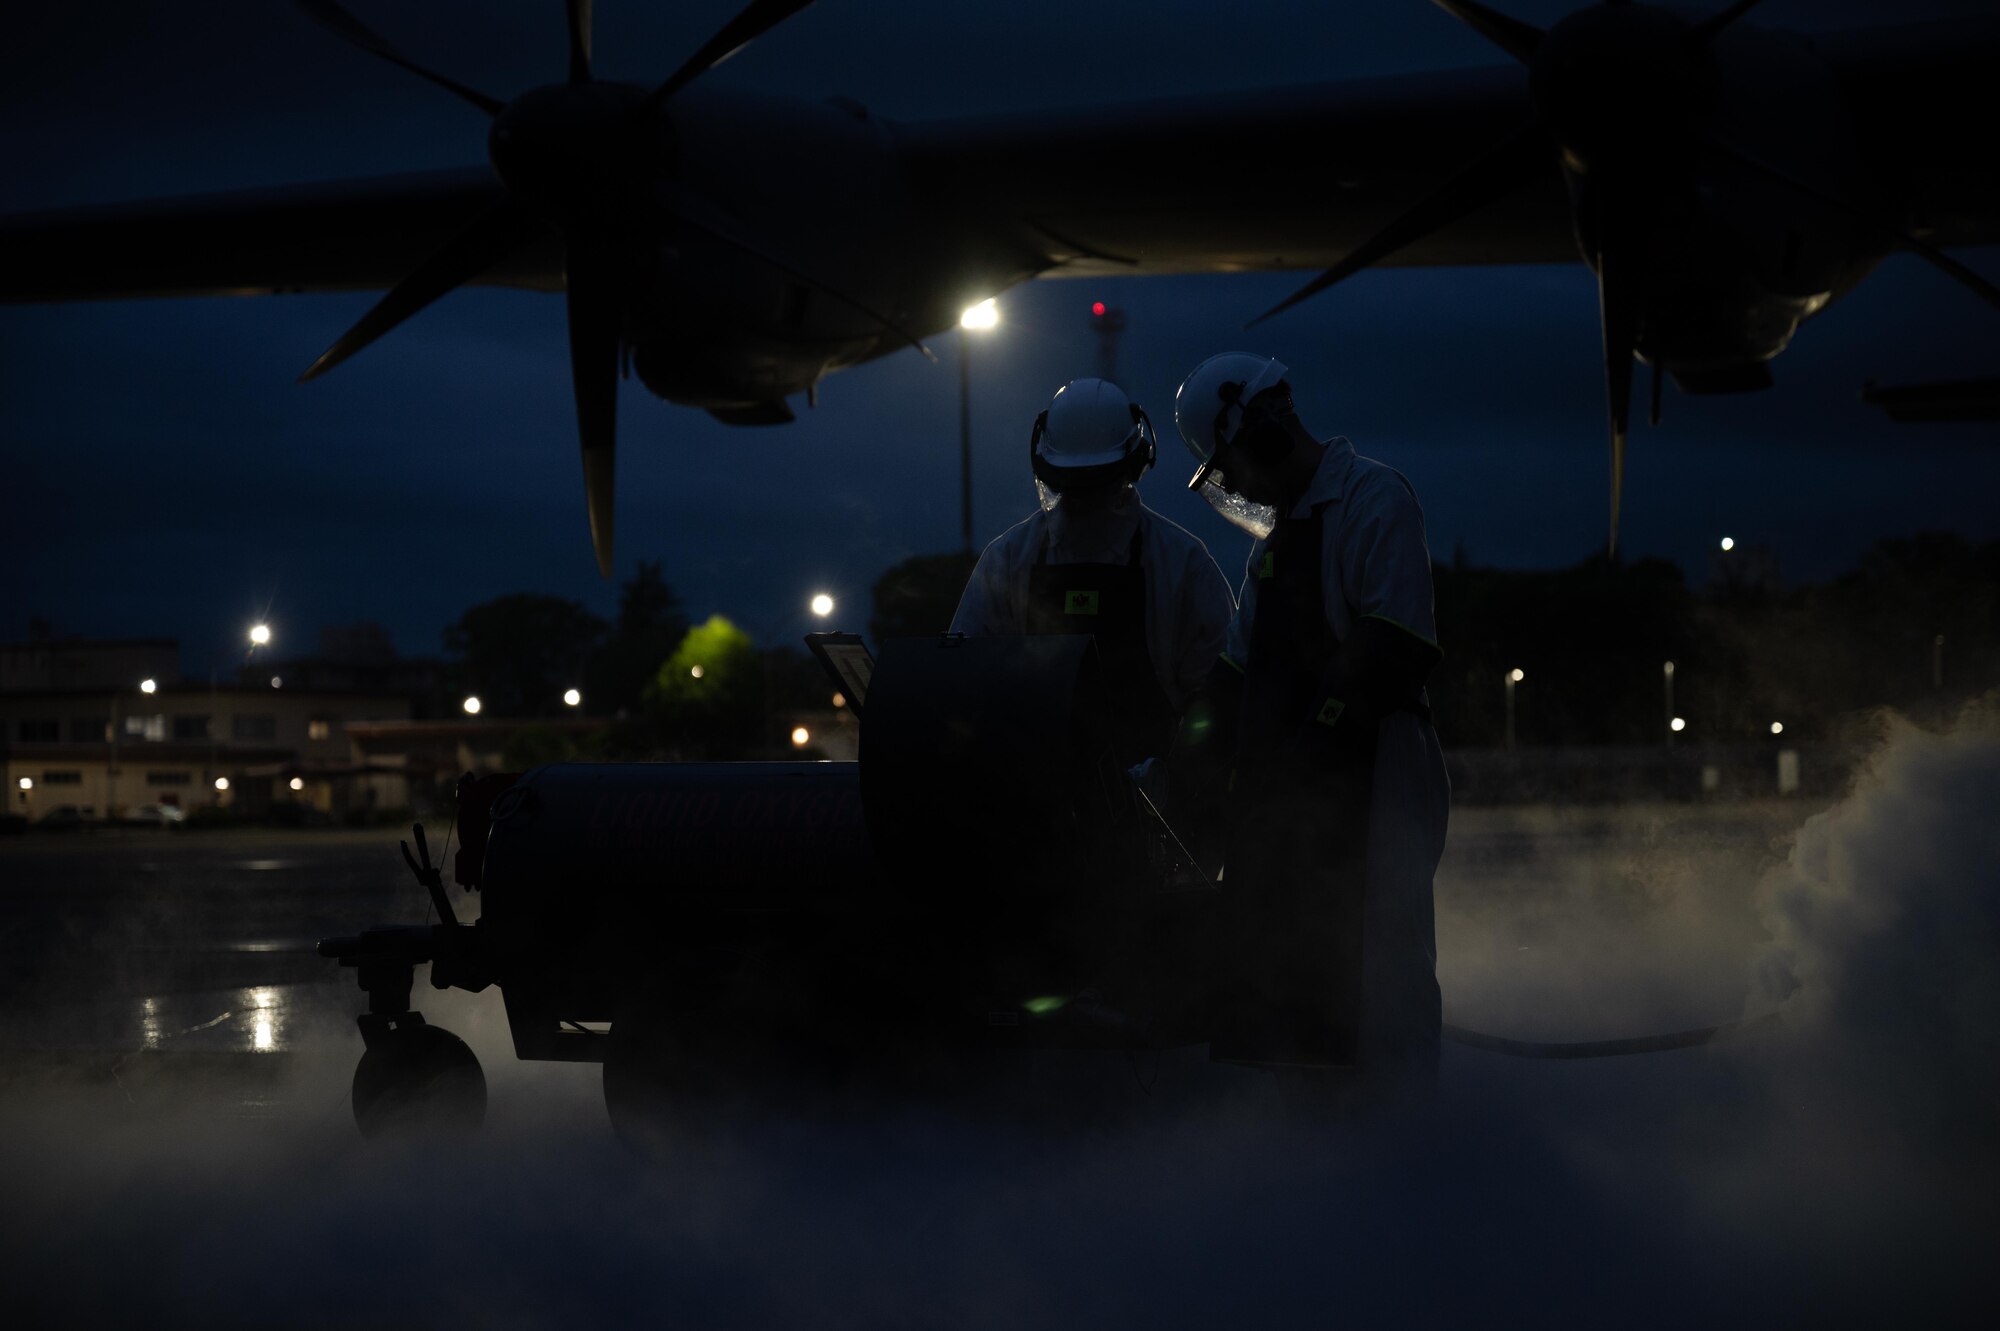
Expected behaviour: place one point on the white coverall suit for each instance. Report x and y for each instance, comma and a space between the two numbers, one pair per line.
1187, 607
1374, 563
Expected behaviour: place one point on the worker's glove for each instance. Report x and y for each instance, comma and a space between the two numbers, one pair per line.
1209, 724
1198, 770
1151, 778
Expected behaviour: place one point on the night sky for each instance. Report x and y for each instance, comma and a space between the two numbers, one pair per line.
165, 475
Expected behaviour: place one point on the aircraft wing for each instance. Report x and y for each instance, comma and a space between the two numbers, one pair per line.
1273, 179
1289, 178
339, 236
1921, 100
1297, 177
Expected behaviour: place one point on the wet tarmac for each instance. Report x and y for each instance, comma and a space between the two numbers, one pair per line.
173, 1096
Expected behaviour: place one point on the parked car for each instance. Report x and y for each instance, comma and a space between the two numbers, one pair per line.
156, 815
64, 818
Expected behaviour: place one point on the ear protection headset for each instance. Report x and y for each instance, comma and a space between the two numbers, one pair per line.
1126, 470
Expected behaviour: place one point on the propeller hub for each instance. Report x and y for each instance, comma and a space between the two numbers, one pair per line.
577, 148
1618, 83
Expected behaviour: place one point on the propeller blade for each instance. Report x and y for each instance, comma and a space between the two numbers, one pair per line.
1703, 32
578, 13
1511, 35
350, 29
591, 276
718, 231
1923, 249
1618, 292
757, 18
1502, 168
503, 229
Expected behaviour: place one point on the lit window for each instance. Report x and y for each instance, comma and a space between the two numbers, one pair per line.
319, 727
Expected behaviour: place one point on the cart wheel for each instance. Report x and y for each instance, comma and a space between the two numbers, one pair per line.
419, 1079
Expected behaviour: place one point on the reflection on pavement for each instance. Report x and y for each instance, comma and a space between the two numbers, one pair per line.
253, 1019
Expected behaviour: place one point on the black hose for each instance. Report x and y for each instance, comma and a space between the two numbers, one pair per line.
1636, 1044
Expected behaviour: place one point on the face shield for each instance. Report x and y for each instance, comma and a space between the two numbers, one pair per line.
1211, 410
1257, 519
1115, 498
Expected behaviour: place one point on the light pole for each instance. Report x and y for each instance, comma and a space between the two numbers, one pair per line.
1667, 678
260, 636
976, 319
1513, 677
111, 768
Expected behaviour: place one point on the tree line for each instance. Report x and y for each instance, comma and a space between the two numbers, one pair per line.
1916, 625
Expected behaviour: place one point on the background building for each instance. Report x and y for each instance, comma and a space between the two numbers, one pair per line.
101, 727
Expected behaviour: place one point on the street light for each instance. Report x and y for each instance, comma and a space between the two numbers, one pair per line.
1728, 544
1777, 727
1677, 725
297, 783
260, 635
572, 698
221, 783
1513, 677
27, 783
471, 705
822, 605
800, 735
980, 318
149, 686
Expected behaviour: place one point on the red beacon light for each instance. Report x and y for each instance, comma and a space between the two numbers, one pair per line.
1097, 309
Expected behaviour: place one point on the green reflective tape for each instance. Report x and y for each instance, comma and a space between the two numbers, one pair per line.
1269, 567
1329, 712
1041, 1007
1231, 662
1080, 603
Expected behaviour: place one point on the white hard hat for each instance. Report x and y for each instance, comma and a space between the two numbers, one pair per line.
1091, 434
1208, 409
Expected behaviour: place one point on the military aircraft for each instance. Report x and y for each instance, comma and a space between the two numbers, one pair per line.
1723, 181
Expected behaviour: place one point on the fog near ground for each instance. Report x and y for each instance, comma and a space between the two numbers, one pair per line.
1838, 1169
